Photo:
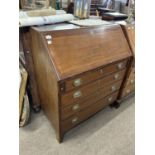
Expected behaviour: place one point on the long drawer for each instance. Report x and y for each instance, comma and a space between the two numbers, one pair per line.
85, 78
89, 100
77, 95
87, 112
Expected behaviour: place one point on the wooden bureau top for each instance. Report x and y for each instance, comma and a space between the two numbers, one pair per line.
74, 51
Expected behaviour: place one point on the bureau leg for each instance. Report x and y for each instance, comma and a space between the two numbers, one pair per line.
116, 105
60, 137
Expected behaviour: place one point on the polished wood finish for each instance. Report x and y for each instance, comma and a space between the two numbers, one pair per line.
98, 46
94, 75
89, 111
88, 100
68, 98
128, 86
128, 90
78, 71
129, 31
47, 81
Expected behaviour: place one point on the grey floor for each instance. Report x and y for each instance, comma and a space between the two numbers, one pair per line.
110, 132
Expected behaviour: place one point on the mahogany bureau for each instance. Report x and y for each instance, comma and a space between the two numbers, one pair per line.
79, 71
128, 87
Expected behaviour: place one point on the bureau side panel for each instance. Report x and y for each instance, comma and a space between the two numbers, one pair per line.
46, 80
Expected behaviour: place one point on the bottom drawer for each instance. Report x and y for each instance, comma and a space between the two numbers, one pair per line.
86, 113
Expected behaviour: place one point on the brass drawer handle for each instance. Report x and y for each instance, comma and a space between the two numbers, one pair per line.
75, 120
77, 82
113, 88
116, 76
120, 65
77, 94
76, 107
110, 99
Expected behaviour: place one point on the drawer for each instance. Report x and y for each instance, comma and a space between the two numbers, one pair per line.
128, 90
112, 78
77, 95
110, 88
93, 97
85, 78
131, 81
87, 112
71, 109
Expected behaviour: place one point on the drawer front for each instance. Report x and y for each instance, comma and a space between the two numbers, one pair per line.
128, 90
87, 112
91, 99
94, 75
112, 78
110, 88
79, 94
131, 81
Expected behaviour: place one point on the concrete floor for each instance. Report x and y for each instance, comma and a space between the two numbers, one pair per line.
110, 132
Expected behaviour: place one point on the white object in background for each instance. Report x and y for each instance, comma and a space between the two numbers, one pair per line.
95, 17
115, 13
89, 22
26, 14
23, 14
30, 21
122, 22
60, 12
57, 27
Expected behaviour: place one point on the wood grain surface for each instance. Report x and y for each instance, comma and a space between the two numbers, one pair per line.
79, 50
99, 56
